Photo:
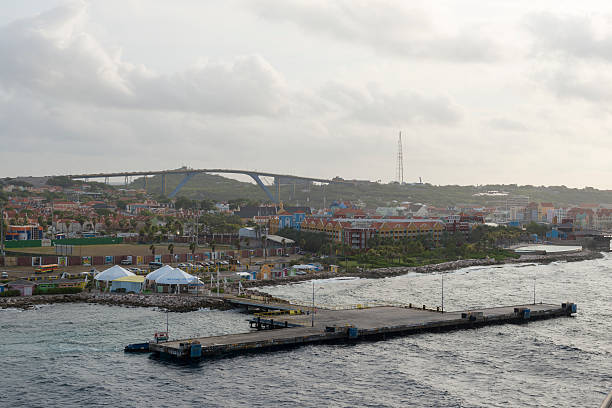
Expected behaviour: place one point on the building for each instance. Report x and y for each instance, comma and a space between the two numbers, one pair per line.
357, 232
543, 210
45, 285
603, 219
65, 205
25, 288
581, 217
286, 219
23, 232
517, 201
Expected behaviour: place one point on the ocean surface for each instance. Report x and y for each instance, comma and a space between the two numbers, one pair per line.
71, 355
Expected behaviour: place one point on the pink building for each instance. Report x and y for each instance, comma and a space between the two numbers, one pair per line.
26, 288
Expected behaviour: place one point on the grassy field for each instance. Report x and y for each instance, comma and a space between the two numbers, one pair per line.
118, 249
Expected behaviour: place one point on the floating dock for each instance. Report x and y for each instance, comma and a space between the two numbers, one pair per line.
295, 329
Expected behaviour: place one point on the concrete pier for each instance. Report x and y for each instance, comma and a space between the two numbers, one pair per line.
278, 331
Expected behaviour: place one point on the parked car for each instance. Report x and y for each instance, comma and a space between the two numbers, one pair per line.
300, 273
183, 265
126, 261
4, 275
136, 270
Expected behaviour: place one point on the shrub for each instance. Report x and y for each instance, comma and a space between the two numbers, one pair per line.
10, 293
57, 291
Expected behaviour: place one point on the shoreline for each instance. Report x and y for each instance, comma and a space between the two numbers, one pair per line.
189, 303
380, 273
174, 303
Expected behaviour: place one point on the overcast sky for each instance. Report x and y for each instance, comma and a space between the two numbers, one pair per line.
505, 91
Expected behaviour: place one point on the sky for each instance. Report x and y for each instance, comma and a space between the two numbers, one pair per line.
505, 91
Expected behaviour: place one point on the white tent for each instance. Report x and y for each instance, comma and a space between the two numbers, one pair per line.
113, 273
176, 277
159, 272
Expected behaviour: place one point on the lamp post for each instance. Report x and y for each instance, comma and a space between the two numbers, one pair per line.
534, 288
313, 306
442, 292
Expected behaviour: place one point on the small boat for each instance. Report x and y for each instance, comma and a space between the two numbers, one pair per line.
137, 348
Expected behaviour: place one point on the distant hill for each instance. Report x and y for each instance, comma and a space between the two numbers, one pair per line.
203, 186
218, 188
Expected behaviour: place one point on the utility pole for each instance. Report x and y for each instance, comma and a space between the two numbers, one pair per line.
400, 160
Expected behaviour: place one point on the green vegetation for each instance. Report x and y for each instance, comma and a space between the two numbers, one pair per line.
204, 186
184, 202
310, 241
482, 242
10, 293
61, 181
218, 188
220, 223
57, 291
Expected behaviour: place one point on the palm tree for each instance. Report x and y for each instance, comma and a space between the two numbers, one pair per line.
152, 248
192, 248
171, 249
284, 242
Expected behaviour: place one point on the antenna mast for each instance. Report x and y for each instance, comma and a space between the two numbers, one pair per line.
400, 160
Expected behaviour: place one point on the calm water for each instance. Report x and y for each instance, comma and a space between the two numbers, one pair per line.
72, 355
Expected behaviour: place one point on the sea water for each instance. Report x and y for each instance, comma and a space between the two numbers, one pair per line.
71, 355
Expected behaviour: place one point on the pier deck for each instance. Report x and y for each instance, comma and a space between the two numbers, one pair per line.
342, 325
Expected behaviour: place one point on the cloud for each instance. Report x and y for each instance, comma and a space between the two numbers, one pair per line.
384, 26
572, 55
506, 125
375, 106
53, 56
570, 35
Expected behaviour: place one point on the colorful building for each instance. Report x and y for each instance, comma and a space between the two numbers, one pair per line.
285, 219
357, 233
23, 232
25, 288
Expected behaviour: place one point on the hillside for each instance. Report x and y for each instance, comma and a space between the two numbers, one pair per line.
218, 188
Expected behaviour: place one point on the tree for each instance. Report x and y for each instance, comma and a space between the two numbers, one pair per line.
171, 249
192, 248
152, 248
122, 223
183, 202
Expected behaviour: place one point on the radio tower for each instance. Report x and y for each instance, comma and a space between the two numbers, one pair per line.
400, 161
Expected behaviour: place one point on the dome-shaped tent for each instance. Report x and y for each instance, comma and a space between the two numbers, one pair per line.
176, 277
159, 272
113, 273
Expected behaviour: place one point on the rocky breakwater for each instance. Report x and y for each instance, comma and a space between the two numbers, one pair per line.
174, 303
432, 268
